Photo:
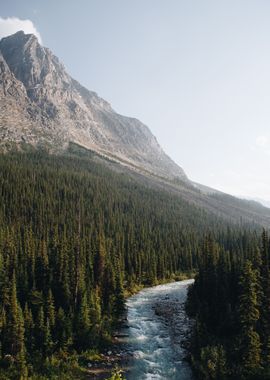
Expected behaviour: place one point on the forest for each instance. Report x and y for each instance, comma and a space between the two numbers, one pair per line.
76, 238
230, 305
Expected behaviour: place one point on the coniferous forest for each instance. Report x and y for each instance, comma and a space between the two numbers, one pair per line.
75, 237
230, 303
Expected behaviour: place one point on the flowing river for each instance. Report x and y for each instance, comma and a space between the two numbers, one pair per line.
157, 325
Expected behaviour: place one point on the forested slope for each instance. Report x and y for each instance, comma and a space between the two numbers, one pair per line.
73, 236
230, 304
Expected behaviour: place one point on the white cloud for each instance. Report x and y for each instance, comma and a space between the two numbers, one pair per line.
12, 25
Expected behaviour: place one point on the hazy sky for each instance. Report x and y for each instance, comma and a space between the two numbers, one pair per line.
196, 72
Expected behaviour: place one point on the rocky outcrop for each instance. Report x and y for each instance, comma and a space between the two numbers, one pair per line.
16, 125
42, 105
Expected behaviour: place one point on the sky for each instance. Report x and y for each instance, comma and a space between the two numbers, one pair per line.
196, 72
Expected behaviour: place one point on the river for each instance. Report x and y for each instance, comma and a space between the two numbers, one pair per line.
157, 325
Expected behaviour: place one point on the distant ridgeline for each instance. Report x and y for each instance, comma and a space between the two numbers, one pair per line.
230, 301
75, 235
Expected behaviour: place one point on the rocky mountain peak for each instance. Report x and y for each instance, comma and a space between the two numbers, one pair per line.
31, 63
21, 50
61, 110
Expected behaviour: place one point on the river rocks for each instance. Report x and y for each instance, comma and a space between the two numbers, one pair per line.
172, 314
157, 330
152, 345
101, 369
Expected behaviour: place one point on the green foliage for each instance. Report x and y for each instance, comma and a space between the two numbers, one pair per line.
248, 317
248, 297
213, 363
116, 375
228, 301
75, 237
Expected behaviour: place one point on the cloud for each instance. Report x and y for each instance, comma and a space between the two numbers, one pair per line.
12, 25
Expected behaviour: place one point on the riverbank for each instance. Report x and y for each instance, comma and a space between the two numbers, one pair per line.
157, 329
177, 277
158, 311
161, 307
102, 368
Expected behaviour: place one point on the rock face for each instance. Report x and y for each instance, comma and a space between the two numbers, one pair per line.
42, 105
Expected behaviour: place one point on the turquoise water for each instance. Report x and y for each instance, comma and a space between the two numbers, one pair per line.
155, 340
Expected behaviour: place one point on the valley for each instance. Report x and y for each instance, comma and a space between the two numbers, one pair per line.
99, 224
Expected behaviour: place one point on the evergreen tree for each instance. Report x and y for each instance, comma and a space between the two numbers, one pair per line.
50, 309
264, 322
119, 298
248, 317
83, 324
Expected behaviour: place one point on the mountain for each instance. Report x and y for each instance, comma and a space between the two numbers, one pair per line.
261, 201
42, 105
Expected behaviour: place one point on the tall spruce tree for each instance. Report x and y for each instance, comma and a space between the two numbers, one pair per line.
248, 318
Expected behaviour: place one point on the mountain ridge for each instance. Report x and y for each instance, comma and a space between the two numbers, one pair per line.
43, 107
57, 109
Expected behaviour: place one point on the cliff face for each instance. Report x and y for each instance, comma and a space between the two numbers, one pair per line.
42, 105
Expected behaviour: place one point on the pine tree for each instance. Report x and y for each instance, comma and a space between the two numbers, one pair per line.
264, 322
50, 309
83, 324
21, 350
40, 331
14, 343
62, 330
248, 317
29, 328
99, 263
44, 264
119, 298
48, 342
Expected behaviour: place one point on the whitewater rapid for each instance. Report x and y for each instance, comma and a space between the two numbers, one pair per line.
157, 325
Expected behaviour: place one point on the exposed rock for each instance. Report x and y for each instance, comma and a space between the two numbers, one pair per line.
42, 105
